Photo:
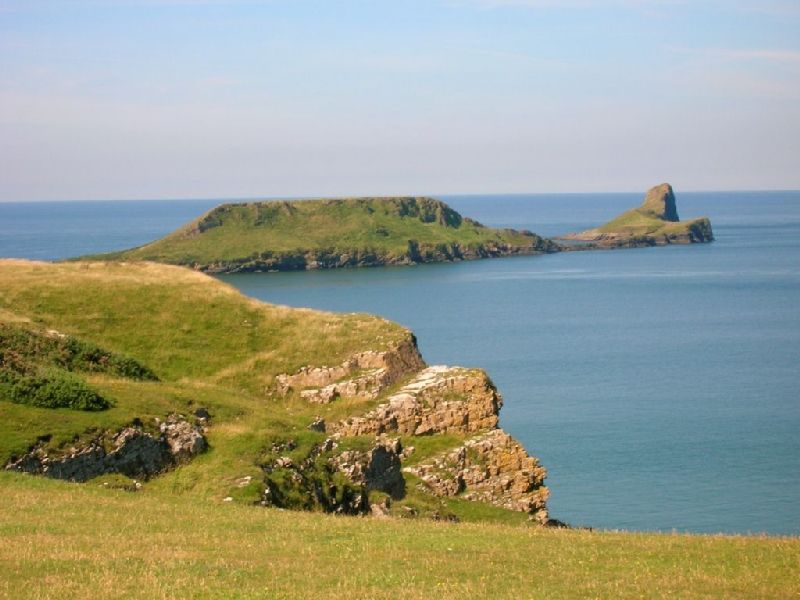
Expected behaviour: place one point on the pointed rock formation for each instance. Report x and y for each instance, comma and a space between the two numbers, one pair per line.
660, 202
654, 223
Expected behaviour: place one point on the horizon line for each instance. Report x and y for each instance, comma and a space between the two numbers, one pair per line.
341, 196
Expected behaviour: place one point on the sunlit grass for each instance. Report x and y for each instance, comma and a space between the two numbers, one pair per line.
63, 540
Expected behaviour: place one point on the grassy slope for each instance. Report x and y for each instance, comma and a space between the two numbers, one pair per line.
67, 541
639, 222
233, 232
209, 345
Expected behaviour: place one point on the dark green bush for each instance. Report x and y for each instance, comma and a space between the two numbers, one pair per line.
26, 348
52, 389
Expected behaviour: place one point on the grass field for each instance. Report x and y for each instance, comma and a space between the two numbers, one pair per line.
62, 540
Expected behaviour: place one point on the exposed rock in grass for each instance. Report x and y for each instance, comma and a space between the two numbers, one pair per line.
334, 482
131, 451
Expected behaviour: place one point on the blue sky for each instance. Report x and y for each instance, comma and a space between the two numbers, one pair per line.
192, 98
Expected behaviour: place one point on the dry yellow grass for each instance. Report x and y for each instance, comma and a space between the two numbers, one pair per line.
61, 540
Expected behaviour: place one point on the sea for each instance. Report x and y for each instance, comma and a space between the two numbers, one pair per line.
660, 387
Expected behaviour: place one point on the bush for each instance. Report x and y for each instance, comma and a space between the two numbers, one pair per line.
52, 389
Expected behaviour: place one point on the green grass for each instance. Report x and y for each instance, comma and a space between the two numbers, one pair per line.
63, 540
176, 537
368, 229
639, 222
209, 346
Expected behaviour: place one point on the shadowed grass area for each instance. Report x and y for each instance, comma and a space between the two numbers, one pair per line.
68, 541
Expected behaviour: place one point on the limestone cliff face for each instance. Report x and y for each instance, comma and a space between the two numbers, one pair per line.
489, 466
374, 372
131, 451
437, 400
493, 468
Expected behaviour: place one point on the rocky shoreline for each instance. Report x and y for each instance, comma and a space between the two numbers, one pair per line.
416, 253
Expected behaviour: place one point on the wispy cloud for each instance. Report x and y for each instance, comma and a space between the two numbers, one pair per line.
776, 55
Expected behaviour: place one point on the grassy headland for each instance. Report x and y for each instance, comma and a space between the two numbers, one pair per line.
280, 235
201, 344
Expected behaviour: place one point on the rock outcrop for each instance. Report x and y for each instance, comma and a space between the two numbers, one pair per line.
377, 469
489, 467
338, 482
659, 201
438, 400
374, 372
131, 451
493, 468
654, 223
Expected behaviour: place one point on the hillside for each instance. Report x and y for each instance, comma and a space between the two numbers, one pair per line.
654, 223
309, 234
196, 388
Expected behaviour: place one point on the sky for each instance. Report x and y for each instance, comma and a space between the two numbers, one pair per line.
118, 99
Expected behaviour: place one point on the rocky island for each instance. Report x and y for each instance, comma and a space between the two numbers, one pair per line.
330, 233
654, 223
368, 232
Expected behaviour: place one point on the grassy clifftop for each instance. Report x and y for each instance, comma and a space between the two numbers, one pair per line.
187, 341
282, 235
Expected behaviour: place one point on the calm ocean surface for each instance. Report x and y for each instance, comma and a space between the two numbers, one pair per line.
660, 386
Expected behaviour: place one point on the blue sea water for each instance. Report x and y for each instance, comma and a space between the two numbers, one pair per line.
659, 386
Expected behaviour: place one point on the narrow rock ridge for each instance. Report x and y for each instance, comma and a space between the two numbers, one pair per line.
375, 372
492, 468
131, 451
439, 399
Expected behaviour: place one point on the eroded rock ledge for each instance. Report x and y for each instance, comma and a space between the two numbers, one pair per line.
132, 451
489, 467
439, 399
493, 468
374, 372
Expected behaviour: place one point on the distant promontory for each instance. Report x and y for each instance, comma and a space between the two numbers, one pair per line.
330, 233
654, 223
367, 232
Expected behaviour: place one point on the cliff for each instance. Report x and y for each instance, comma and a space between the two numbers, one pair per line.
654, 223
331, 233
201, 389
